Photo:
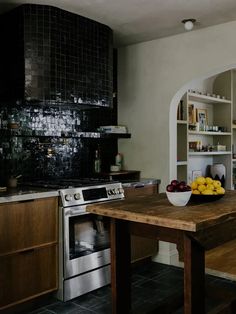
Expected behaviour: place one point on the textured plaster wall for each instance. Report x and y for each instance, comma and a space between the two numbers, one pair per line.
152, 76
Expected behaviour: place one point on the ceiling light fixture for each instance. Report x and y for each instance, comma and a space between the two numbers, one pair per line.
188, 24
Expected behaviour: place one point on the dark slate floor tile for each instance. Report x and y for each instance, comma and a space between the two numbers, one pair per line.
63, 308
104, 308
150, 285
82, 311
88, 301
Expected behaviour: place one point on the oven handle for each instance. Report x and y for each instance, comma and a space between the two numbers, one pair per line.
78, 211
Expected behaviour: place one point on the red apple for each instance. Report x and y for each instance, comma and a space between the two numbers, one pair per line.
170, 188
174, 182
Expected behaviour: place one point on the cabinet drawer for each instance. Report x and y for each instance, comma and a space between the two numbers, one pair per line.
27, 224
27, 274
143, 190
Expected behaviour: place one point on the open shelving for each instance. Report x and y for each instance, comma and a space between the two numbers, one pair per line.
219, 115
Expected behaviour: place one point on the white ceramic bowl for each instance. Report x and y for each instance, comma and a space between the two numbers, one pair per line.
179, 198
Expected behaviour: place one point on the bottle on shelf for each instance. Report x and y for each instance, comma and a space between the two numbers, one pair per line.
97, 161
118, 160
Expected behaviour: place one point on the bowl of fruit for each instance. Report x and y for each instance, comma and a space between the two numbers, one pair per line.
178, 193
205, 189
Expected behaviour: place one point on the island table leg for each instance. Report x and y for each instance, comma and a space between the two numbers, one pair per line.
194, 277
120, 267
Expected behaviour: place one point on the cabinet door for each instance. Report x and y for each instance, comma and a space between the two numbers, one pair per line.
28, 224
142, 247
27, 274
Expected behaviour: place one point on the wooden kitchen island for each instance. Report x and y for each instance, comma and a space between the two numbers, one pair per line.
195, 229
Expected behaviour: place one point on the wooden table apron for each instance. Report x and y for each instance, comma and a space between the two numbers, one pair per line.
193, 244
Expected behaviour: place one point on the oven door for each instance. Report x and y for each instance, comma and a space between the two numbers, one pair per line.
86, 241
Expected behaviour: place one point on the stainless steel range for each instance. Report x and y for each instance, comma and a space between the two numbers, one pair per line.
84, 251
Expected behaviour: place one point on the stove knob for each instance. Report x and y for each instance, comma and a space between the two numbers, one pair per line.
121, 190
77, 196
68, 197
110, 192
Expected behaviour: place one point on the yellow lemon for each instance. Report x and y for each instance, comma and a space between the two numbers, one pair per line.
201, 187
209, 180
210, 187
195, 192
216, 183
207, 192
220, 190
194, 185
200, 180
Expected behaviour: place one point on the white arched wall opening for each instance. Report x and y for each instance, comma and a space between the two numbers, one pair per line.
173, 253
173, 116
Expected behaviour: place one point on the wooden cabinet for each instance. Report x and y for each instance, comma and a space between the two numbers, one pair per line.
28, 250
142, 248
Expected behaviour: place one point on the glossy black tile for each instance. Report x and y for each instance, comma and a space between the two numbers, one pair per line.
54, 56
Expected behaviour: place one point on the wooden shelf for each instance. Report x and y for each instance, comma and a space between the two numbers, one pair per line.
182, 163
182, 121
209, 133
207, 99
82, 135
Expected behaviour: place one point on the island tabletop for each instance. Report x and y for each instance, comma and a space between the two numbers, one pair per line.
195, 228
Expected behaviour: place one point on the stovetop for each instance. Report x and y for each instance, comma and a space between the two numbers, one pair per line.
65, 183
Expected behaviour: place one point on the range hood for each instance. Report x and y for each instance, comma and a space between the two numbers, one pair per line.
52, 56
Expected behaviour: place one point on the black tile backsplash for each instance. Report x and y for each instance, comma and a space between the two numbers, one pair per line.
43, 141
53, 56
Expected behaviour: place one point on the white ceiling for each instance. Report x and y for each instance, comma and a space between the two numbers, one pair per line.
141, 20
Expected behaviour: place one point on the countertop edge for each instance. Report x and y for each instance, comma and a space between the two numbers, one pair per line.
28, 196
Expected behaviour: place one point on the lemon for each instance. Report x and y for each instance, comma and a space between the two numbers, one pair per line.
210, 187
216, 183
220, 190
194, 185
207, 192
201, 187
195, 192
200, 180
209, 180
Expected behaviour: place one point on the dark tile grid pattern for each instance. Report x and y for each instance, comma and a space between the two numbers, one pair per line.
150, 285
46, 144
54, 56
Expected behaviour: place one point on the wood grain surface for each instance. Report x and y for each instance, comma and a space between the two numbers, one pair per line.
156, 210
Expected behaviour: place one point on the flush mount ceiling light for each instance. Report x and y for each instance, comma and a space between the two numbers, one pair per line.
188, 24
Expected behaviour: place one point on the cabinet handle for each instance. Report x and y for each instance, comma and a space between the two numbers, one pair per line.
139, 186
27, 251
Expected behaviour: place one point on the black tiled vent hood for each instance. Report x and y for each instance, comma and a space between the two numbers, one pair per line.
52, 56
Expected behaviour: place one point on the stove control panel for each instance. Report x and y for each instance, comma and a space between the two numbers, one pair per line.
115, 191
91, 194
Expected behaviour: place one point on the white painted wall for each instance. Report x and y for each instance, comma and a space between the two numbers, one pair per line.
152, 77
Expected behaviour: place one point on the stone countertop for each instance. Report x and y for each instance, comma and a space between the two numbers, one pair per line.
25, 193
156, 210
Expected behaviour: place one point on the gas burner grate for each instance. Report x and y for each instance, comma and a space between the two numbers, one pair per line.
66, 183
